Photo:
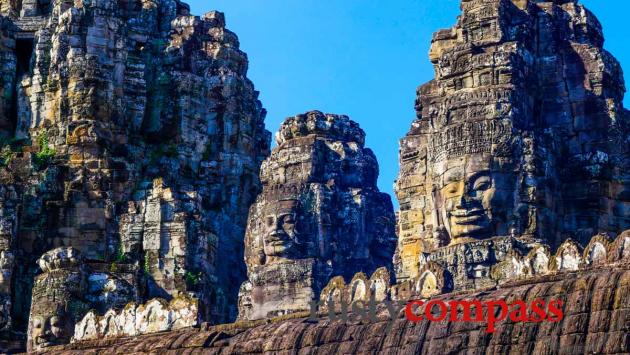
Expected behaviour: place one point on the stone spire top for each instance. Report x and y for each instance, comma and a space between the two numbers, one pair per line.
336, 127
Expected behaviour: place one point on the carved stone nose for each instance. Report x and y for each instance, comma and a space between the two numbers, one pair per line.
463, 201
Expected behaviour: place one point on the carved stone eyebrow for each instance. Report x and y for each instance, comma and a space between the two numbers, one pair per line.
472, 178
282, 214
453, 175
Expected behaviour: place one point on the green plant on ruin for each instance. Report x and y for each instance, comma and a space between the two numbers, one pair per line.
45, 155
6, 155
146, 267
119, 258
192, 279
120, 255
9, 147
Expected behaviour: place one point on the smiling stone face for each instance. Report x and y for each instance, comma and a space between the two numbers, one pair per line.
468, 205
473, 201
51, 330
56, 299
280, 233
287, 226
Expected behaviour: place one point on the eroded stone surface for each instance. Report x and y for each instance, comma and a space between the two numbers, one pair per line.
133, 141
599, 295
320, 215
155, 316
130, 133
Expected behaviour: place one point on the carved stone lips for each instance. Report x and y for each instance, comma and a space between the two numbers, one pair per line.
467, 217
276, 239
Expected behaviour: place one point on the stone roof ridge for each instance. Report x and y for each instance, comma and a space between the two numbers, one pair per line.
434, 279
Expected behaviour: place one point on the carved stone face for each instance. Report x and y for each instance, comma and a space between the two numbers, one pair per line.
56, 299
50, 330
473, 201
280, 234
290, 225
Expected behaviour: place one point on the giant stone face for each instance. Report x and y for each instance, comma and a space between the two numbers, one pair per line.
280, 234
286, 227
319, 215
473, 199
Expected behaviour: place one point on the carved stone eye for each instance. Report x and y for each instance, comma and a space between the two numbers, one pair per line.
288, 219
482, 184
269, 221
451, 188
56, 322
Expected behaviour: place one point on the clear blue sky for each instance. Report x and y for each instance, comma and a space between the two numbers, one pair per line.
362, 58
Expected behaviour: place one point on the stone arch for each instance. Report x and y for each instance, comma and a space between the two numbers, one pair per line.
568, 256
87, 328
427, 284
513, 267
358, 289
334, 292
109, 324
380, 284
245, 302
401, 291
128, 316
620, 248
184, 311
537, 260
433, 280
153, 317
596, 252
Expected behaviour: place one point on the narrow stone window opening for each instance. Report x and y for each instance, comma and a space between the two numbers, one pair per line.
24, 53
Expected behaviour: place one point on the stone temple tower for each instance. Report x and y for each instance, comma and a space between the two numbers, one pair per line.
521, 135
320, 215
130, 132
